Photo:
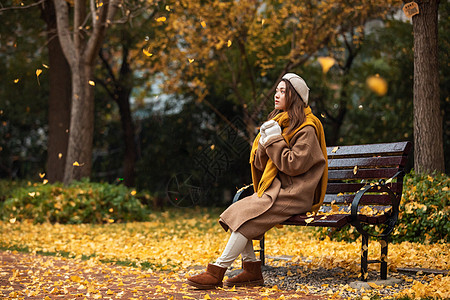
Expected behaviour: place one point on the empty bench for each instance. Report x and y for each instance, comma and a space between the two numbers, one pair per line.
365, 184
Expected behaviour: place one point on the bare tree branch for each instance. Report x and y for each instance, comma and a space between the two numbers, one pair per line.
21, 7
107, 12
62, 21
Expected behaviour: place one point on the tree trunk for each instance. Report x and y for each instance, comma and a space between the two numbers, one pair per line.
129, 160
428, 132
79, 154
59, 99
124, 87
80, 50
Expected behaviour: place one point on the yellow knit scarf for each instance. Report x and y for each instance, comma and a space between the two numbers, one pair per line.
261, 183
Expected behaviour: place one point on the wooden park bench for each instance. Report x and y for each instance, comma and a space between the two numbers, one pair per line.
365, 184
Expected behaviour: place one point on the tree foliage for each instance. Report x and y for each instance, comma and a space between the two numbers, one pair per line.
23, 106
245, 46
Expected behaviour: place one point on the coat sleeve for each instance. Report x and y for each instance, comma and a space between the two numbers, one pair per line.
261, 158
297, 159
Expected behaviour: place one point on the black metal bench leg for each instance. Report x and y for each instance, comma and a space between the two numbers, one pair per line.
364, 254
261, 252
384, 253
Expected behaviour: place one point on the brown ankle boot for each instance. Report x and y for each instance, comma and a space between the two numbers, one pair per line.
251, 276
210, 279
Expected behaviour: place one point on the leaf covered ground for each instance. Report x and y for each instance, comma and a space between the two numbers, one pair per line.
177, 243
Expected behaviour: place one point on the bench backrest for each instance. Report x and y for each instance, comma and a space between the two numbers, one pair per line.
350, 168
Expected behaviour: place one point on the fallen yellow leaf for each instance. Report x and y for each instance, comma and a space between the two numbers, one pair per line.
374, 285
309, 220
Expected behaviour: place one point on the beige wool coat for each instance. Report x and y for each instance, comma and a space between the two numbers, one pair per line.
300, 168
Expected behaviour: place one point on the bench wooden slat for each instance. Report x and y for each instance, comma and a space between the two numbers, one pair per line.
361, 174
374, 220
365, 200
336, 188
370, 149
346, 209
329, 221
336, 220
364, 162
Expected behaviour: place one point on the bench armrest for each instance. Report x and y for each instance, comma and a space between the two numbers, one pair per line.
393, 215
243, 192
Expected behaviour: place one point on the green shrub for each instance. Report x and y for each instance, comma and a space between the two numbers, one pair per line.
424, 209
80, 202
424, 212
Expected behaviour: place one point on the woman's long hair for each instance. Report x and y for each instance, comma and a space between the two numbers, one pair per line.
294, 107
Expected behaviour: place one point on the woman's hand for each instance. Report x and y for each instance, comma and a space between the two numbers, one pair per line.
268, 130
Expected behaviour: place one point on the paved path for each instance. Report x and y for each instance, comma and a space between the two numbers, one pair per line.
28, 276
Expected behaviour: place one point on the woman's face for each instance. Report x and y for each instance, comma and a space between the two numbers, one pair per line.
280, 93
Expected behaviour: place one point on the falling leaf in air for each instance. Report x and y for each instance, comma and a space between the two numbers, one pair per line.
326, 63
377, 84
59, 155
355, 170
91, 82
42, 175
335, 149
32, 194
191, 60
77, 164
167, 7
45, 66
45, 181
161, 19
229, 43
16, 80
146, 52
203, 23
133, 193
38, 72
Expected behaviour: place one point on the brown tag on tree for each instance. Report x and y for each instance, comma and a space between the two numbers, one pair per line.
410, 9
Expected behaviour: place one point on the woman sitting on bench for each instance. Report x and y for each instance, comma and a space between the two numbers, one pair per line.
289, 172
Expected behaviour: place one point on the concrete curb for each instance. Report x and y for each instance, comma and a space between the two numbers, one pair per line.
374, 284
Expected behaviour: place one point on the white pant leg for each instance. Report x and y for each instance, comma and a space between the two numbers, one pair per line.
248, 254
235, 246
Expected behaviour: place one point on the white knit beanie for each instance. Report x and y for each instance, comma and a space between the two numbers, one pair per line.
299, 85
